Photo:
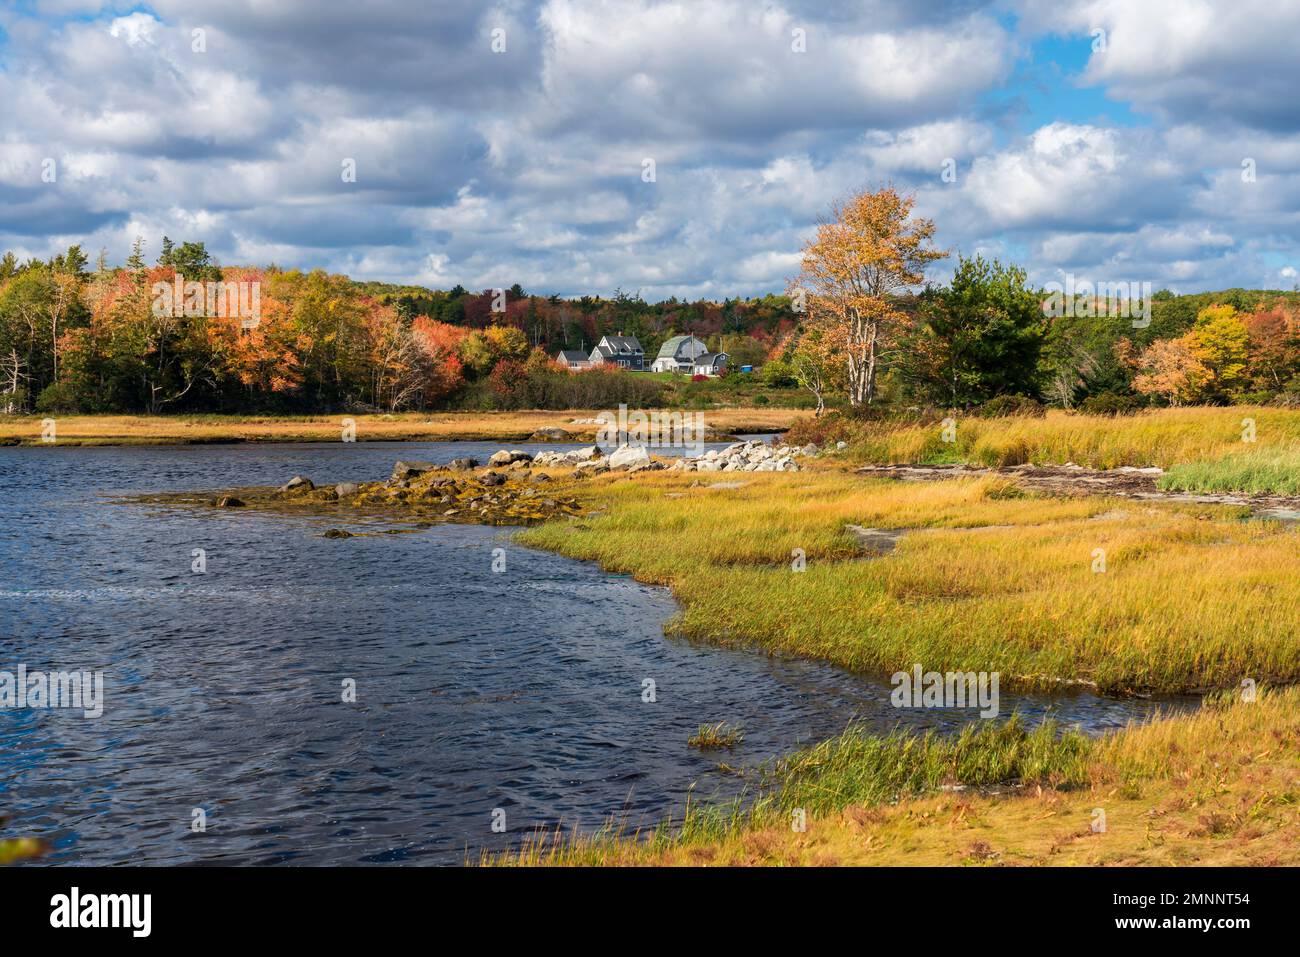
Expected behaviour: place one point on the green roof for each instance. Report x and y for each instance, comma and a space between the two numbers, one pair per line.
669, 349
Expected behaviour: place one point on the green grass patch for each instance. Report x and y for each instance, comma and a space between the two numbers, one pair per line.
1257, 472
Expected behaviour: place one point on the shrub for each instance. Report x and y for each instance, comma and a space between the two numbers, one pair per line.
1112, 403
1253, 398
1004, 405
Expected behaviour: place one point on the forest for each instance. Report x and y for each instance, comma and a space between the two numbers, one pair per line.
81, 339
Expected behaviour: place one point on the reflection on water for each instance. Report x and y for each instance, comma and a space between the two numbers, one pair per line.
475, 690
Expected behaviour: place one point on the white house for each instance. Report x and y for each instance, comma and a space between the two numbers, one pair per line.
678, 354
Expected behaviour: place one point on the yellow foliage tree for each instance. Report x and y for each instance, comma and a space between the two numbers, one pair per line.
853, 270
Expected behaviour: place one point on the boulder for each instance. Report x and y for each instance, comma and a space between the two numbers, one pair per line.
337, 533
509, 458
409, 470
551, 435
492, 478
628, 455
229, 501
463, 465
344, 489
297, 484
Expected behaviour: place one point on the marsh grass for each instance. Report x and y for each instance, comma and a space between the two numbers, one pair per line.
1192, 598
1267, 471
715, 737
1158, 437
400, 427
1222, 781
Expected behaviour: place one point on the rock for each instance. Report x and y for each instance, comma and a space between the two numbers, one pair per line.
509, 458
229, 501
551, 435
344, 489
628, 455
297, 484
841, 446
463, 465
337, 533
492, 478
811, 449
409, 470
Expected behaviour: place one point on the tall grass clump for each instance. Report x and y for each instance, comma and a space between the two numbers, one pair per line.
1256, 472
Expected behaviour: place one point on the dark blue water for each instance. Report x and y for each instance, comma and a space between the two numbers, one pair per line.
477, 690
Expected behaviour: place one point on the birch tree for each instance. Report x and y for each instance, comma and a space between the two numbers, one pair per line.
868, 252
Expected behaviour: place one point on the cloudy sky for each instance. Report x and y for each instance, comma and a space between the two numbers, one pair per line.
1116, 140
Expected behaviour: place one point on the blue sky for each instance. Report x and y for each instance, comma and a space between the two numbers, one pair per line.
233, 122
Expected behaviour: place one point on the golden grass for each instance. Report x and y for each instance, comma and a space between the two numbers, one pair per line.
1221, 787
1158, 437
402, 427
985, 578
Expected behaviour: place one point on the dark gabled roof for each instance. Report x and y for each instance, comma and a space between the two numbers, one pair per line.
710, 358
621, 344
572, 355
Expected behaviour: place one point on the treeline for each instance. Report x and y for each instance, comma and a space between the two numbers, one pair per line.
82, 339
75, 339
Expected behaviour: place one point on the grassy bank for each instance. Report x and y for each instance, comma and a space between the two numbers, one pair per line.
1220, 787
984, 578
1159, 437
403, 427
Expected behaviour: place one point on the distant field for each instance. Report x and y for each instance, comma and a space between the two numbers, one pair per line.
404, 427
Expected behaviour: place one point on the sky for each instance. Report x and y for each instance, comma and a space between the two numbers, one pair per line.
667, 149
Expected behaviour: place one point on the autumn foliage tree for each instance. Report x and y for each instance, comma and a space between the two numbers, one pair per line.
868, 252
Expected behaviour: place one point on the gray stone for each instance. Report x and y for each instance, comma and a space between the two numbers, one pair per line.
409, 470
297, 484
628, 455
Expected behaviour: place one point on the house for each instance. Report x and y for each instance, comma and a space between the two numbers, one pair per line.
573, 359
678, 354
620, 350
710, 363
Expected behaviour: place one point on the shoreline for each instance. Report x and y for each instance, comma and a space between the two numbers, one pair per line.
571, 425
1037, 804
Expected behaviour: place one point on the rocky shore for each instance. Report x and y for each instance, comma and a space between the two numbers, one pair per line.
457, 492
